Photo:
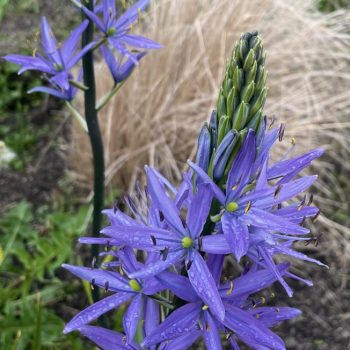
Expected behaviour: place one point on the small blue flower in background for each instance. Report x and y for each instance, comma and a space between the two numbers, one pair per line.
116, 30
56, 60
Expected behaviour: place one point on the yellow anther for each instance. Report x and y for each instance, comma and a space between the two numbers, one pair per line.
247, 207
229, 292
205, 307
228, 335
34, 52
292, 141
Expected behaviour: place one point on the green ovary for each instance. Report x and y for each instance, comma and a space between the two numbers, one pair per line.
231, 207
187, 242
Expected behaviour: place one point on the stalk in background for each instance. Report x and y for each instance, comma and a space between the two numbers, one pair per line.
95, 138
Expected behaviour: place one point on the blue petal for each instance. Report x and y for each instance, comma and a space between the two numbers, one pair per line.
132, 317
99, 240
263, 151
272, 316
140, 237
117, 217
293, 165
127, 257
295, 214
215, 264
151, 315
162, 202
49, 91
61, 79
206, 179
71, 42
198, 210
286, 191
263, 219
100, 277
96, 310
223, 154
76, 58
106, 339
251, 282
215, 244
211, 333
204, 284
239, 173
180, 321
95, 19
132, 13
267, 257
184, 341
236, 234
179, 285
140, 42
48, 40
29, 63
203, 148
284, 250
109, 10
249, 330
154, 268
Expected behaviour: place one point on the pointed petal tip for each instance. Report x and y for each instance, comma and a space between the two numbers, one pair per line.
67, 329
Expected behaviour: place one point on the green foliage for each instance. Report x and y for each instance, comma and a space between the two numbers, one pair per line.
31, 252
3, 4
332, 5
16, 130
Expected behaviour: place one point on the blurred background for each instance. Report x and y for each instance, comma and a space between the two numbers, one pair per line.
45, 160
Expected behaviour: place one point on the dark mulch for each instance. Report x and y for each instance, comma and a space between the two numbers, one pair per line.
41, 177
20, 25
325, 321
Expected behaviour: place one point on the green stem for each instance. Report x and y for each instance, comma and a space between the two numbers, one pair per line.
95, 137
163, 301
105, 99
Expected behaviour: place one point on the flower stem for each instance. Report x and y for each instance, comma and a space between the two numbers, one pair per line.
163, 301
95, 137
106, 98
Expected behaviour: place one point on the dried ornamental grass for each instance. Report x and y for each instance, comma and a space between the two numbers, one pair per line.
157, 115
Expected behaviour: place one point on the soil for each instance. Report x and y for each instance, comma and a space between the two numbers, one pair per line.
326, 306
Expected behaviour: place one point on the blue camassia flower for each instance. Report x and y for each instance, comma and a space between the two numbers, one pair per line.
244, 319
116, 31
56, 60
177, 242
138, 291
252, 219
